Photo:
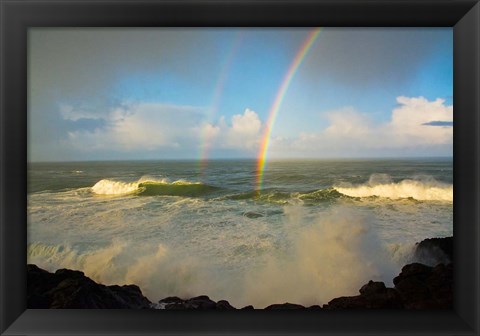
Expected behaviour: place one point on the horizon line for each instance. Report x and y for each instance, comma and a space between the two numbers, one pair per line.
343, 158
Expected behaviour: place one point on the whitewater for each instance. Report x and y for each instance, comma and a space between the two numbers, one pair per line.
318, 229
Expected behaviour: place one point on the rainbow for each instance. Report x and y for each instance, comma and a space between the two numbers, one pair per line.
217, 95
277, 103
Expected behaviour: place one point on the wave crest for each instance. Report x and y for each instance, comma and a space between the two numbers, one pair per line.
109, 187
151, 187
422, 190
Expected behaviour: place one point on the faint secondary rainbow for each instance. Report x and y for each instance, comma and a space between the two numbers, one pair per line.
216, 98
277, 103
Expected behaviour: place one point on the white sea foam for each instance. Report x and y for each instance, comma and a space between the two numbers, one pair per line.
109, 187
423, 190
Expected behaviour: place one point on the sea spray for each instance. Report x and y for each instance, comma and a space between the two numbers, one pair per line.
158, 272
102, 264
331, 257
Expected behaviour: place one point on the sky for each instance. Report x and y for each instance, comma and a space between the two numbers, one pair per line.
207, 93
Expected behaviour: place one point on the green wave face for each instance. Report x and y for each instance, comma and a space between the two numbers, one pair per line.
174, 189
322, 195
279, 197
268, 196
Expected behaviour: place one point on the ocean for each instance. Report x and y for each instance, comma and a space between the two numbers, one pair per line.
316, 230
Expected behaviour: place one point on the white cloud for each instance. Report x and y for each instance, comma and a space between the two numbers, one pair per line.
145, 126
150, 126
243, 132
351, 133
348, 124
407, 124
155, 126
68, 112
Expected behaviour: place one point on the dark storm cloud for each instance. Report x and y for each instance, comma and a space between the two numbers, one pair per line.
372, 56
73, 63
81, 66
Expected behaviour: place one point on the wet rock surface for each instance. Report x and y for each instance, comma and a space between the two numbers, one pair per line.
72, 289
373, 295
423, 287
285, 306
434, 251
202, 302
417, 287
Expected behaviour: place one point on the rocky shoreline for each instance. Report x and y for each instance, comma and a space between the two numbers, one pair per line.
418, 286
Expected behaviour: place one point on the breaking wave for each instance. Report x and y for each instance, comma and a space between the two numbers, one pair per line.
152, 187
377, 186
381, 186
109, 187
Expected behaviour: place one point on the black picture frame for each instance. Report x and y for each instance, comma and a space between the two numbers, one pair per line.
17, 16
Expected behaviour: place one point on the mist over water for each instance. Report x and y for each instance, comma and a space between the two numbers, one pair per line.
317, 230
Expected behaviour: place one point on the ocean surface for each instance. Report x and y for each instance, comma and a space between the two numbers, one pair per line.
316, 230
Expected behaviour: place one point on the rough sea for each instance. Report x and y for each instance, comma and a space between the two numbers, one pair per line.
318, 229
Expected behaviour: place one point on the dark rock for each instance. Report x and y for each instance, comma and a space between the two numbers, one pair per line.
440, 284
315, 307
199, 302
347, 302
416, 270
39, 282
131, 295
82, 293
285, 306
373, 295
434, 251
200, 298
424, 287
372, 288
224, 305
418, 286
66, 273
379, 297
249, 307
32, 268
72, 289
171, 299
